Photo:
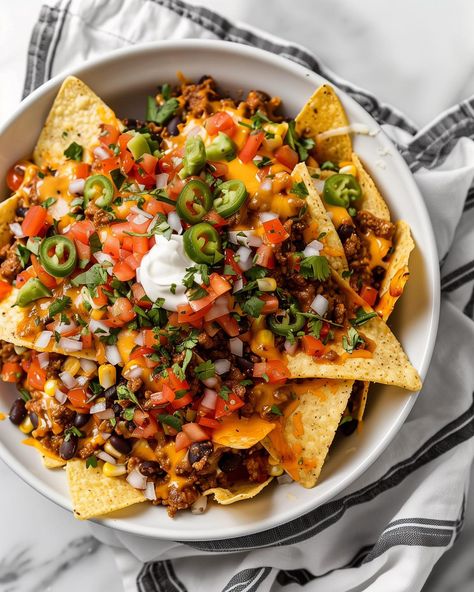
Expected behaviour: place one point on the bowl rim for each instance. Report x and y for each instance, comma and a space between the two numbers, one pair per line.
431, 266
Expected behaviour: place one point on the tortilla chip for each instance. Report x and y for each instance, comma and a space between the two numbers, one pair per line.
75, 116
241, 432
388, 363
333, 249
93, 494
324, 112
303, 435
372, 201
237, 493
11, 320
397, 272
52, 463
7, 215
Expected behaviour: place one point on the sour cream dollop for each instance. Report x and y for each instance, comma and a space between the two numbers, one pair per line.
161, 268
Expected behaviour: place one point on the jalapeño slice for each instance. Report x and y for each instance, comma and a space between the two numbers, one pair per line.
58, 255
286, 323
194, 201
98, 189
230, 196
202, 243
341, 190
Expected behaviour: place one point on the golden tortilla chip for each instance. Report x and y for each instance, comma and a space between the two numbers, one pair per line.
241, 432
304, 433
387, 363
320, 222
237, 493
93, 494
322, 113
397, 272
75, 116
51, 463
372, 201
7, 215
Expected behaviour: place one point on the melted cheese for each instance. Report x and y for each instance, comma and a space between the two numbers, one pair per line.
339, 215
174, 481
125, 343
378, 249
2, 416
242, 432
44, 451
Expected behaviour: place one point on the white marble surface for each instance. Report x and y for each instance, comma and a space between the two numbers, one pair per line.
416, 56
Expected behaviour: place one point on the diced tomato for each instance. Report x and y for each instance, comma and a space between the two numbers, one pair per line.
134, 260
224, 408
287, 156
231, 262
123, 309
109, 135
120, 229
84, 252
143, 177
110, 164
127, 162
82, 231
152, 206
182, 441
369, 294
100, 299
82, 170
275, 370
208, 422
11, 372
195, 432
220, 122
229, 324
218, 169
182, 401
148, 163
168, 163
312, 346
265, 256
141, 352
186, 314
48, 280
79, 397
219, 285
136, 225
16, 175
275, 231
146, 425
36, 376
215, 219
175, 186
253, 143
5, 289
149, 338
176, 383
140, 244
271, 303
23, 277
324, 330
140, 297
34, 223
111, 246
87, 340
123, 140
123, 272
166, 395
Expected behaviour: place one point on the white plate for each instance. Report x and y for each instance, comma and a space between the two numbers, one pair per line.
123, 80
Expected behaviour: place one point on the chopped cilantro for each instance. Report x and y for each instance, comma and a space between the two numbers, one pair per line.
59, 305
72, 431
163, 113
276, 410
224, 392
299, 189
347, 273
197, 294
23, 254
329, 166
205, 370
315, 267
74, 152
128, 413
301, 145
91, 461
351, 340
93, 277
24, 394
362, 317
117, 177
263, 162
171, 420
253, 306
49, 202
124, 392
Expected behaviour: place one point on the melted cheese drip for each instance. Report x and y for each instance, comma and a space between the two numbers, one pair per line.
378, 249
2, 416
339, 215
174, 481
44, 451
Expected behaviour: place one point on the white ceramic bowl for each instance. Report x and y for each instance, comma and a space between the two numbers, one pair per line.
123, 79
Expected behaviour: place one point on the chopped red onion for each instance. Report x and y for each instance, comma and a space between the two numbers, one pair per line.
136, 479
99, 326
211, 382
200, 505
107, 414
284, 479
245, 255
104, 435
319, 185
150, 492
238, 285
64, 327
139, 219
175, 222
267, 216
222, 366
76, 187
313, 248
98, 407
104, 258
139, 339
134, 372
320, 305
220, 308
290, 347
247, 238
87, 365
43, 339
16, 229
70, 345
210, 399
43, 359
266, 185
68, 380
101, 153
60, 396
137, 210
59, 209
113, 355
161, 180
81, 380
106, 457
236, 346
140, 187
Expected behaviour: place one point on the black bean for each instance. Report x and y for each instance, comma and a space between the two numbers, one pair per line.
130, 426
18, 411
378, 273
198, 450
172, 125
244, 365
81, 419
229, 462
349, 427
21, 212
110, 394
117, 409
68, 447
150, 468
34, 419
120, 444
345, 231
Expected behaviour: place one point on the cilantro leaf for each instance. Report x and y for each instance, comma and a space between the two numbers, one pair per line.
276, 410
117, 177
128, 413
24, 394
301, 145
59, 305
351, 340
171, 420
362, 317
23, 254
93, 277
205, 370
299, 189
72, 431
315, 267
160, 114
91, 461
253, 306
124, 392
224, 392
74, 152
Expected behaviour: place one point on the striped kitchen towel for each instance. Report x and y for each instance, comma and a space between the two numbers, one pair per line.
387, 531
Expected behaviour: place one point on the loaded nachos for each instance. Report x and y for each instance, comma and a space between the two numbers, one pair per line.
193, 304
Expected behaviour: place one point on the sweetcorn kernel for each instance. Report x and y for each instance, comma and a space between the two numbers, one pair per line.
26, 426
110, 470
50, 387
72, 365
